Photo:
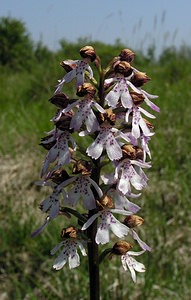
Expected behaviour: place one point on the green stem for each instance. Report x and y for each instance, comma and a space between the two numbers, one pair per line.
93, 253
93, 258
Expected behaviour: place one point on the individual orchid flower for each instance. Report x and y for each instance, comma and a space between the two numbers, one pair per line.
122, 202
106, 139
60, 150
85, 113
82, 190
69, 252
108, 222
132, 264
122, 248
120, 91
138, 123
78, 70
126, 175
52, 203
132, 222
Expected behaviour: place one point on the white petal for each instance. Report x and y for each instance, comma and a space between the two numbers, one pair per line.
95, 150
55, 249
82, 248
139, 267
146, 113
97, 188
119, 229
102, 236
74, 260
60, 261
90, 221
143, 245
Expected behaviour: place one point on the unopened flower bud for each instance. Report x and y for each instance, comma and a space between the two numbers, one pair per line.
88, 52
121, 248
86, 89
105, 202
128, 151
133, 221
61, 100
59, 176
107, 117
123, 67
64, 121
69, 232
139, 153
139, 79
137, 98
82, 166
67, 65
127, 55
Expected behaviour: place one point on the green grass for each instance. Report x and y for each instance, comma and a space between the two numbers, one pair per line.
26, 265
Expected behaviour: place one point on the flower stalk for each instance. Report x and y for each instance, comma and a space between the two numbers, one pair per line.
96, 162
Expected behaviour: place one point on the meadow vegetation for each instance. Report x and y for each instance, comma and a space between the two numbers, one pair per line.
25, 263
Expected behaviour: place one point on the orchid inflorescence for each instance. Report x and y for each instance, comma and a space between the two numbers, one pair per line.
97, 153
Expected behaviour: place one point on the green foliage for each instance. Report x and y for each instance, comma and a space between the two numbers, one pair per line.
16, 47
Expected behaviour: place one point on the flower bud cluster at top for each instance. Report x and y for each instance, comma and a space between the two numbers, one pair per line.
105, 124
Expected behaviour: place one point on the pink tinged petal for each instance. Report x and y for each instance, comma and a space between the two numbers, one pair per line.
143, 245
41, 228
152, 105
148, 95
90, 221
141, 164
146, 113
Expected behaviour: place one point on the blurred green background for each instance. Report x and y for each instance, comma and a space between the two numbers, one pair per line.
28, 75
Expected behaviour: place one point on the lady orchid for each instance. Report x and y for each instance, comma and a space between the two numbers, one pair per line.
96, 161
